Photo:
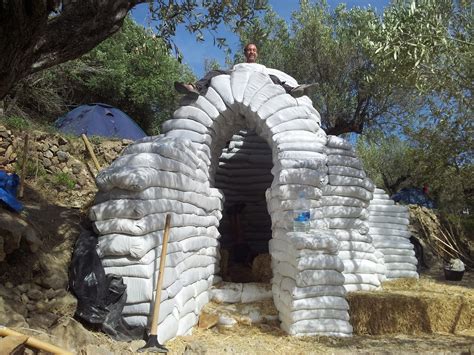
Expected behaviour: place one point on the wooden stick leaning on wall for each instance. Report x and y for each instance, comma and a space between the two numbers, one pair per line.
23, 166
91, 151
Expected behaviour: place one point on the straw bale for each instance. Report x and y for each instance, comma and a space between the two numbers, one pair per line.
412, 307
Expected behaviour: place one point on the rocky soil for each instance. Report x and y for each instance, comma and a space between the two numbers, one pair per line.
36, 248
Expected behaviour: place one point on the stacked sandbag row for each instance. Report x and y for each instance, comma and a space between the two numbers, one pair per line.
243, 175
154, 177
299, 169
308, 284
389, 231
345, 201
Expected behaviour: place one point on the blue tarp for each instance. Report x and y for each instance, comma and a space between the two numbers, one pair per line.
99, 120
413, 196
8, 187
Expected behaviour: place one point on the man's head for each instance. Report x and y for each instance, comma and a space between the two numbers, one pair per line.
251, 53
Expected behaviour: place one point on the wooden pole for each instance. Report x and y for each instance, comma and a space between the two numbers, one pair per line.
164, 247
91, 151
23, 166
35, 343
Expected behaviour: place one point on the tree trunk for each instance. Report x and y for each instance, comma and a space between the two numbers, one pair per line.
37, 34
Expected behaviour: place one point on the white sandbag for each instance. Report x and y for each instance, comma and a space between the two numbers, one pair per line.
275, 104
141, 290
396, 274
322, 302
292, 192
304, 124
238, 83
358, 255
256, 83
388, 219
287, 114
396, 251
265, 94
349, 223
215, 99
310, 277
178, 149
316, 262
346, 171
136, 209
338, 143
193, 113
361, 266
138, 246
289, 285
351, 181
389, 232
151, 223
221, 84
327, 327
192, 136
350, 236
400, 266
186, 323
166, 329
360, 287
348, 191
137, 179
344, 211
255, 292
382, 202
344, 161
388, 208
207, 202
354, 245
345, 152
301, 146
302, 155
359, 278
401, 259
389, 214
389, 226
391, 244
316, 164
183, 123
300, 176
319, 240
201, 300
313, 314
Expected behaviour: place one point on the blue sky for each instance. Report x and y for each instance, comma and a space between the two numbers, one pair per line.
195, 53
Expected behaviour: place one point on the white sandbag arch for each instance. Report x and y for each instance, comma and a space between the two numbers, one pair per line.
174, 173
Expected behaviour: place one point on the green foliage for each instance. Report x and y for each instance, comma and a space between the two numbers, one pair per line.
132, 71
16, 122
389, 162
200, 16
33, 169
63, 179
323, 47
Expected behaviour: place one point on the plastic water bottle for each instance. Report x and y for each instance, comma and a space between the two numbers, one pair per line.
301, 214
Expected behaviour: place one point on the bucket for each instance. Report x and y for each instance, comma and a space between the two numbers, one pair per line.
452, 275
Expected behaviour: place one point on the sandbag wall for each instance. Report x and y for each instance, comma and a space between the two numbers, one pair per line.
243, 175
308, 285
389, 231
156, 176
345, 201
178, 172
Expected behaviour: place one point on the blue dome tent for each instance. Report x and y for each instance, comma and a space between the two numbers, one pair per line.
99, 120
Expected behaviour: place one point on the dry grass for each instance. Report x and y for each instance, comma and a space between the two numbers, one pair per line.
408, 315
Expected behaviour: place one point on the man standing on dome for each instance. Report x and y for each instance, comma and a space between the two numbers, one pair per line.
251, 55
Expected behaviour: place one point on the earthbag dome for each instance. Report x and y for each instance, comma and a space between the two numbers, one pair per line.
177, 173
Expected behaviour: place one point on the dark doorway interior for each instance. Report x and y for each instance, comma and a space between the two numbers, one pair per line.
244, 175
